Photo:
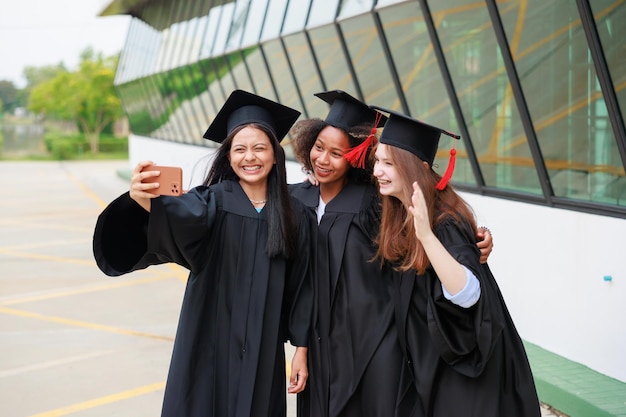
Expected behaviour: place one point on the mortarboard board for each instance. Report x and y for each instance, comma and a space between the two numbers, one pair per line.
243, 107
417, 137
346, 112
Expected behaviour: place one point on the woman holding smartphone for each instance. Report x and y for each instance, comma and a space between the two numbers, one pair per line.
246, 244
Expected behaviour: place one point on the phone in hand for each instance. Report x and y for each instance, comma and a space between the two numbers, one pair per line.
170, 181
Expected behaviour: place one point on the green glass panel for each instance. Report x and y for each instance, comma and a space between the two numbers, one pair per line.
610, 17
260, 74
331, 59
422, 82
368, 57
564, 99
281, 74
306, 74
136, 107
484, 92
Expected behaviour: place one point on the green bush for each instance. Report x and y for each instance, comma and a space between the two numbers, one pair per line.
111, 144
63, 149
63, 146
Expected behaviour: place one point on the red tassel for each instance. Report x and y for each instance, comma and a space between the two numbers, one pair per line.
356, 156
448, 174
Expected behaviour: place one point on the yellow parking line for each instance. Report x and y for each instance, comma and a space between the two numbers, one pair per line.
43, 257
84, 324
109, 286
97, 402
87, 191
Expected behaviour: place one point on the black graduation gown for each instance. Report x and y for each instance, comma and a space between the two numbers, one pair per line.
354, 354
239, 306
461, 362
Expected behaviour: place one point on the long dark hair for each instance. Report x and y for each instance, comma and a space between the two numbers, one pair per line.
397, 241
282, 233
304, 133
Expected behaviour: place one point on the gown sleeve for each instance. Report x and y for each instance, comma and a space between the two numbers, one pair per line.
464, 337
128, 238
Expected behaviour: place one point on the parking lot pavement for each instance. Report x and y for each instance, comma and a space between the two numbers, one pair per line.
73, 341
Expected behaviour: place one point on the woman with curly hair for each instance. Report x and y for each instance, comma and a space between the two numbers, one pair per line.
355, 359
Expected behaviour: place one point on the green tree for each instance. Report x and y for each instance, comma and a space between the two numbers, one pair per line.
37, 75
8, 94
86, 96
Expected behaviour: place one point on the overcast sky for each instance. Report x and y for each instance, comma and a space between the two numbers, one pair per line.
46, 32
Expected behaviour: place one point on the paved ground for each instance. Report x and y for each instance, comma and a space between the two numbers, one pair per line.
73, 341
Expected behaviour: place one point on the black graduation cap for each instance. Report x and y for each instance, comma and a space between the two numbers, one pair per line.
417, 137
243, 107
347, 111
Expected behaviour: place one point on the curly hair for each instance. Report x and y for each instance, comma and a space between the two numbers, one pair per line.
304, 133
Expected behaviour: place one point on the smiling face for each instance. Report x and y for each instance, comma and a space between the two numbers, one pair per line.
389, 181
329, 165
251, 156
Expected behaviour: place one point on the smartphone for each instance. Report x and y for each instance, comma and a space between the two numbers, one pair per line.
170, 181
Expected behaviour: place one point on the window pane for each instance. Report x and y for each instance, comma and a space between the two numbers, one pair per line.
422, 82
564, 99
306, 74
331, 59
136, 107
322, 12
254, 23
610, 17
283, 80
353, 7
260, 75
211, 25
485, 95
368, 58
239, 71
274, 16
295, 19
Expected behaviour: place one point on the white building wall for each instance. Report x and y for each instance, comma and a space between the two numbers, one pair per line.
562, 273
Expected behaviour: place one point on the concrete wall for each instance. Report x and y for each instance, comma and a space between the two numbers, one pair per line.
562, 273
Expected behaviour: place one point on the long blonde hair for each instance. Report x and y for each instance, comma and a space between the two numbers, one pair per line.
396, 240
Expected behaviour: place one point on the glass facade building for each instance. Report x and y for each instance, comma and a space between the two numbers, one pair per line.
536, 89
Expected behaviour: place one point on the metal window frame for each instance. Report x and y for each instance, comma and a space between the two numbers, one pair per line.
604, 76
520, 100
452, 96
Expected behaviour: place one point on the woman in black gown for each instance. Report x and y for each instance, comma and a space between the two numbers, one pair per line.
464, 355
246, 244
354, 356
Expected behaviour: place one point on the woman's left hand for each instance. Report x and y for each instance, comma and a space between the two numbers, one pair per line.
418, 210
299, 371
